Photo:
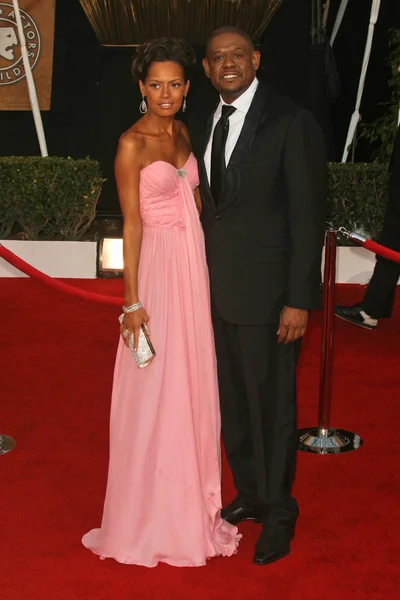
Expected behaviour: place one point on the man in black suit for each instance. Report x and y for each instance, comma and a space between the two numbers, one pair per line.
380, 294
263, 188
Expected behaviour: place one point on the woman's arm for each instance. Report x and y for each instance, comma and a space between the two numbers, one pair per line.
197, 199
127, 175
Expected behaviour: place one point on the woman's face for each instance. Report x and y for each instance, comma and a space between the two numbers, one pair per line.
164, 88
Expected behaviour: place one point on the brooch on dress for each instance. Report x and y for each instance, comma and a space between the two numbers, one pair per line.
181, 173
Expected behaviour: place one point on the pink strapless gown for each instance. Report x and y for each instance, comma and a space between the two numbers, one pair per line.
164, 492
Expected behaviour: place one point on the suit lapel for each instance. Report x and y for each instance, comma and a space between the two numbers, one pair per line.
207, 133
245, 140
243, 146
240, 152
203, 171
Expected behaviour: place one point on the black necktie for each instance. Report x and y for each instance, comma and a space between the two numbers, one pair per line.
218, 166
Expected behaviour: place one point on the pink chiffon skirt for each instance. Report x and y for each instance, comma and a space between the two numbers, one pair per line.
163, 495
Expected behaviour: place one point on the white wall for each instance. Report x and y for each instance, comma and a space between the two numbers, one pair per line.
57, 259
78, 260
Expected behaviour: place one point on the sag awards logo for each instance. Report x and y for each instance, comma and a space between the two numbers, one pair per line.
11, 64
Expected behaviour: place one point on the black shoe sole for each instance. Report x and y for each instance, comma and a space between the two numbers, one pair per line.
276, 557
254, 519
363, 325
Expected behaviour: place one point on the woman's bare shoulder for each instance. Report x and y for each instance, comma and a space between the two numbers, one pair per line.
131, 141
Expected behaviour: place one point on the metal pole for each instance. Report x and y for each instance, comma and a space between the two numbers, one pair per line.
323, 439
317, 28
31, 84
325, 379
355, 117
320, 35
339, 19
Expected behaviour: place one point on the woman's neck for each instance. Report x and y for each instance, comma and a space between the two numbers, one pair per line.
159, 124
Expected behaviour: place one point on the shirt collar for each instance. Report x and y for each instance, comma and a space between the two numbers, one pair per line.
242, 104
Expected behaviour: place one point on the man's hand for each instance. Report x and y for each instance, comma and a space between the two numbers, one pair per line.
292, 325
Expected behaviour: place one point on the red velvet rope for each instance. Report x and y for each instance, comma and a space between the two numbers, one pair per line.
382, 251
26, 268
23, 266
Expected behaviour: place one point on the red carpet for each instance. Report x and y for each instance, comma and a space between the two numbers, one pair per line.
56, 357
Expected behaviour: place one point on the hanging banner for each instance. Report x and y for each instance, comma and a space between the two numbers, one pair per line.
38, 22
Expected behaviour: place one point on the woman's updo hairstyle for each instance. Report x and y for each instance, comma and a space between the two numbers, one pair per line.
163, 50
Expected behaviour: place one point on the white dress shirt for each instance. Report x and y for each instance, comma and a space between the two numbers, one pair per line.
236, 120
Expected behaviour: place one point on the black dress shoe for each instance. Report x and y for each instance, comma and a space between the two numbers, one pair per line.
265, 558
273, 545
236, 512
355, 314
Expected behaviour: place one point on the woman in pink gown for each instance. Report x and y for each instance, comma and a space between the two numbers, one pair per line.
163, 496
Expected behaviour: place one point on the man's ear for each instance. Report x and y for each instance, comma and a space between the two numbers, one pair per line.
206, 67
256, 59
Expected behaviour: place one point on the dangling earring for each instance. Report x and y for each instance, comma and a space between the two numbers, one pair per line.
184, 104
143, 106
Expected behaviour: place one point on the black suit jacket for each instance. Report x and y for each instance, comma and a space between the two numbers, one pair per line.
264, 240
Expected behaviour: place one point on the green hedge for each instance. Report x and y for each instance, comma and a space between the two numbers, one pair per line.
55, 198
48, 198
357, 196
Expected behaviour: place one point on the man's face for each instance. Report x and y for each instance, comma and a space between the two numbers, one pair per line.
8, 39
231, 64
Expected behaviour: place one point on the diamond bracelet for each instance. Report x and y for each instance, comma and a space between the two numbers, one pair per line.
132, 308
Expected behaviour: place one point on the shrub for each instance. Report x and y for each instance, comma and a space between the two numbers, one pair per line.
56, 198
48, 198
382, 132
357, 197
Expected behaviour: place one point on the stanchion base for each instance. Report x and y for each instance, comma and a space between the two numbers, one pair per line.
7, 444
328, 441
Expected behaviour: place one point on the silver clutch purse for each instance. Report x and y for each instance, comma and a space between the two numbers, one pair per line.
145, 352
